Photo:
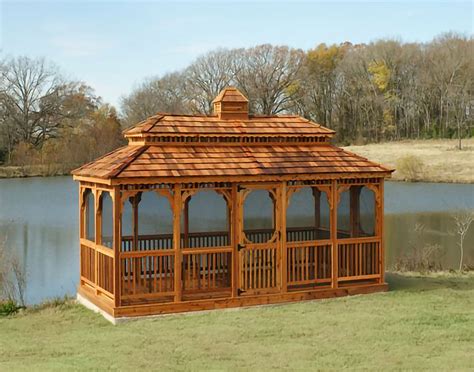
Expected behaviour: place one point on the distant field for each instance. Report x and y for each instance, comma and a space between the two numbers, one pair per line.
443, 161
422, 323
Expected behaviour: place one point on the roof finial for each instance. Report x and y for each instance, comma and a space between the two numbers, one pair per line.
231, 104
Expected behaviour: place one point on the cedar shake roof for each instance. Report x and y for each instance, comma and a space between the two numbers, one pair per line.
230, 143
217, 160
166, 124
230, 94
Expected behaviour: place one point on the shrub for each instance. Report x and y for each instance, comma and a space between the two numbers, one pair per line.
410, 167
8, 308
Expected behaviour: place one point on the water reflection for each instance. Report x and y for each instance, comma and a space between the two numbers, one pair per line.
39, 216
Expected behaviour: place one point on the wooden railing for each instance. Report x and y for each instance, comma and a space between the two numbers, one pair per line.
207, 269
359, 259
97, 267
147, 274
308, 263
88, 263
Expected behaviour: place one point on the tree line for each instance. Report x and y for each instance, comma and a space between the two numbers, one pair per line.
385, 90
50, 121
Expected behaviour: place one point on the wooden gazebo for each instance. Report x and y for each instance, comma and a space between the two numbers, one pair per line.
227, 210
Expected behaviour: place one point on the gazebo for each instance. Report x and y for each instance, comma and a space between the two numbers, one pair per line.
226, 210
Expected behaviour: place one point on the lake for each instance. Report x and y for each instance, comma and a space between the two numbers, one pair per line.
39, 217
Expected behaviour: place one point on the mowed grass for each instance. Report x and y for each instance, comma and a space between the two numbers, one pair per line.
443, 161
422, 323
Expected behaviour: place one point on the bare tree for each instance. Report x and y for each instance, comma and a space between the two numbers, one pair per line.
36, 101
165, 94
268, 76
207, 76
462, 221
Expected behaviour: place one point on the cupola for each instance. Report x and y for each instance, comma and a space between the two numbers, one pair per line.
231, 104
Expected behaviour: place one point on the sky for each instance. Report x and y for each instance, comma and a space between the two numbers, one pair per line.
115, 45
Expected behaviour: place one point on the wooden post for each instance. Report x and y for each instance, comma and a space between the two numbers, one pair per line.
97, 233
317, 210
117, 241
333, 228
135, 202
354, 211
380, 220
283, 249
177, 206
234, 227
81, 227
186, 222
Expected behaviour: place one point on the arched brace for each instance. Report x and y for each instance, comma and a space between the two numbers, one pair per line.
227, 195
98, 201
168, 194
340, 190
378, 202
294, 189
327, 191
289, 193
126, 195
376, 190
185, 195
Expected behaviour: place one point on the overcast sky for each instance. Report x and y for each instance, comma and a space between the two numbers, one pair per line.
113, 45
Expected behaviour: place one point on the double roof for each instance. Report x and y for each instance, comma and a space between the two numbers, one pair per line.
229, 144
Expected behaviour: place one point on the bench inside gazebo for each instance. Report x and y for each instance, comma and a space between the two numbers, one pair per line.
227, 210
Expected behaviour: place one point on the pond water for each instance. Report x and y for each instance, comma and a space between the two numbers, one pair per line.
39, 218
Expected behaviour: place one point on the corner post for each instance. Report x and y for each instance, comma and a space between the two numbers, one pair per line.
81, 227
177, 241
97, 233
234, 227
117, 241
381, 230
283, 249
333, 227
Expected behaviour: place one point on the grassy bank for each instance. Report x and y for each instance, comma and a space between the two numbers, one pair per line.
443, 162
33, 171
422, 323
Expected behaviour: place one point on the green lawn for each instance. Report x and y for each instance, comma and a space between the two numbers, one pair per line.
422, 323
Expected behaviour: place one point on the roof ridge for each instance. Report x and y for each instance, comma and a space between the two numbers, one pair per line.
125, 164
99, 158
151, 126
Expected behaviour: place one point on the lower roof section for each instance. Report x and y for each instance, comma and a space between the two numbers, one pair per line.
169, 161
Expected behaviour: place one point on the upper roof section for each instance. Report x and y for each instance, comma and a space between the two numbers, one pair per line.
230, 124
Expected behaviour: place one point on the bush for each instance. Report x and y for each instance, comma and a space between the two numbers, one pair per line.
8, 308
410, 167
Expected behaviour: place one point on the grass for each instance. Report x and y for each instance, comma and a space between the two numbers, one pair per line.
422, 323
443, 162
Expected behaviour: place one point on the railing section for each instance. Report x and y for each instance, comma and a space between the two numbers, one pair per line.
97, 267
359, 259
308, 263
